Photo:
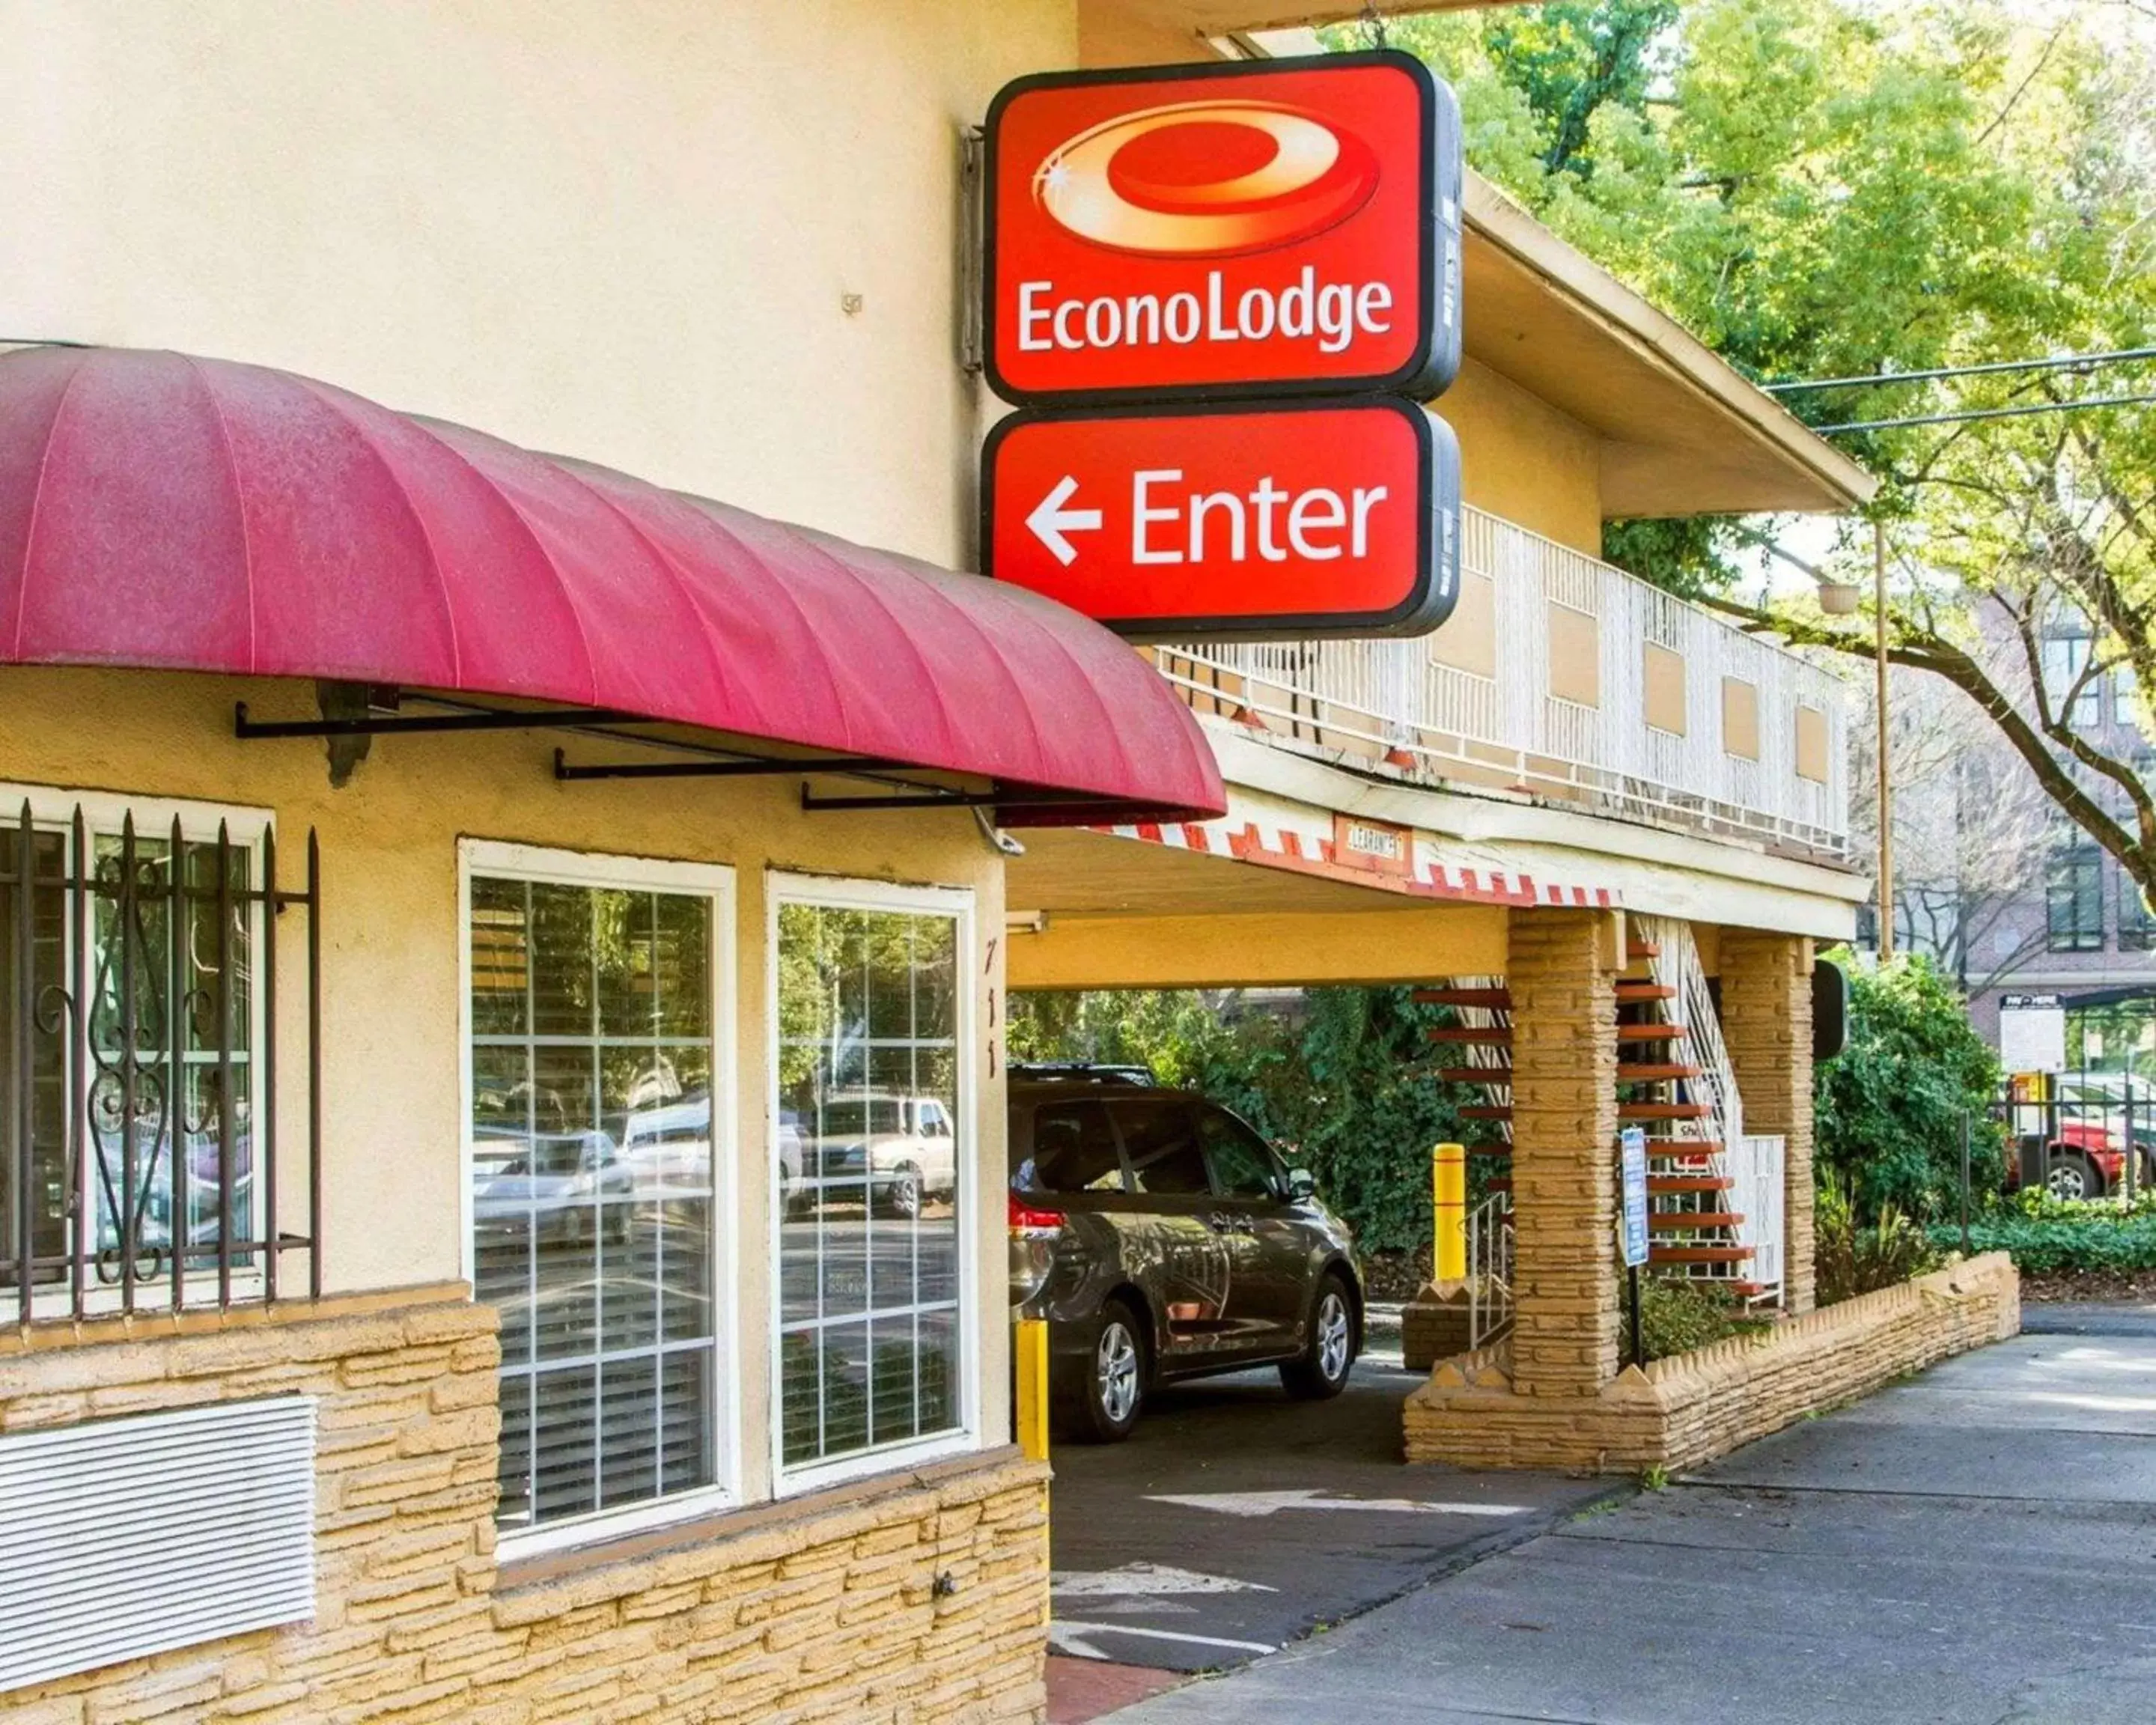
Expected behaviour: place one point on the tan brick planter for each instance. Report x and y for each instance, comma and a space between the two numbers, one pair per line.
1685, 1410
824, 1609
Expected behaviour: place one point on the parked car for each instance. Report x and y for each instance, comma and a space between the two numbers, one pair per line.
2081, 1138
556, 1186
1162, 1239
892, 1150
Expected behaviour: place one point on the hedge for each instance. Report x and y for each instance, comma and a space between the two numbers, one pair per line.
2044, 1247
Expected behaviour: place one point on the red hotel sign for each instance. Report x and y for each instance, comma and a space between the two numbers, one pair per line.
1263, 228
1298, 518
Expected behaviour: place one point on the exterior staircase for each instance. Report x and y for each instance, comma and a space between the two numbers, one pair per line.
1714, 1202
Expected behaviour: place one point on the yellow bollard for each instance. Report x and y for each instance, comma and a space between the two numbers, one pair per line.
1030, 1349
1449, 1179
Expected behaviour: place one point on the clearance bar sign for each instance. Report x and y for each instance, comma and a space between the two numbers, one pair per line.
1255, 228
1221, 293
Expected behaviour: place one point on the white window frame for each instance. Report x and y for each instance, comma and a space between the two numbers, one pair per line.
498, 860
782, 888
104, 815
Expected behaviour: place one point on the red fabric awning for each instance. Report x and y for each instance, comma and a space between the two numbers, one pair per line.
163, 512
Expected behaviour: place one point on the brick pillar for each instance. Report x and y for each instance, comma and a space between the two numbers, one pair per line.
1565, 1325
1767, 1025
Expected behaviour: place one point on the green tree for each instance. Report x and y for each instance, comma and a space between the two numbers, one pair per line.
1889, 1107
1825, 188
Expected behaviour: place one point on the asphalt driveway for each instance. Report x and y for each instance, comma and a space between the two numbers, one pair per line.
1235, 1520
1976, 1544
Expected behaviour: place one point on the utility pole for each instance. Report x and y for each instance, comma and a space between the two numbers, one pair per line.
1885, 812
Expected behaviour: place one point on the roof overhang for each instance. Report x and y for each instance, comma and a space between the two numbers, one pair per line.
160, 512
1684, 432
1223, 18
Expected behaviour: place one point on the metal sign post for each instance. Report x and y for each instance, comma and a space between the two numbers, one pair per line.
1632, 1163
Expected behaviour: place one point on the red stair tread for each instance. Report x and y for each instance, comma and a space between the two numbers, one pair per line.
1476, 1075
1698, 1255
1627, 991
1652, 1033
1644, 1073
1663, 1111
1658, 1184
1491, 1038
1487, 1110
1496, 999
1683, 1221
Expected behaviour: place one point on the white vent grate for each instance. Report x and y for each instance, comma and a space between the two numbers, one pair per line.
130, 1536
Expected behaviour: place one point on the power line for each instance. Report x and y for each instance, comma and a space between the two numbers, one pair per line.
2041, 407
2121, 355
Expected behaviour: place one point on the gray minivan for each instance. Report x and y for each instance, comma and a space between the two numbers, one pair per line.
1162, 1238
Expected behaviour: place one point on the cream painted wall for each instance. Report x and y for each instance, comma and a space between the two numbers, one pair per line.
1109, 36
1522, 459
619, 231
393, 1158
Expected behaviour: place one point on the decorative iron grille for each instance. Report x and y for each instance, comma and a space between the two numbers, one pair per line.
138, 1019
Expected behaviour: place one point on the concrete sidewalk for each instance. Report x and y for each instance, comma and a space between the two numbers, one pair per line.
1976, 1544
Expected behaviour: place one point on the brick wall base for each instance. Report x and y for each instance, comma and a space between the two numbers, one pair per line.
1434, 1326
826, 1610
1689, 1408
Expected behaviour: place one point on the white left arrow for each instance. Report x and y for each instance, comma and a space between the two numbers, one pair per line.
1050, 521
1268, 1503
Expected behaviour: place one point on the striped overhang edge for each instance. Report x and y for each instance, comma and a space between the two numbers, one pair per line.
1280, 846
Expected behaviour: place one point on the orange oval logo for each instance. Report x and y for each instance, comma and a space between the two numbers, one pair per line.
1206, 179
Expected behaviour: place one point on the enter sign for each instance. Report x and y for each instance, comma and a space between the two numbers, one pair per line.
1318, 518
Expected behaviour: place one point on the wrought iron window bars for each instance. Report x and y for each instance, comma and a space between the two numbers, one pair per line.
124, 960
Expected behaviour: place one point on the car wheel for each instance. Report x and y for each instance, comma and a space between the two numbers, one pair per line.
1322, 1373
904, 1196
2071, 1176
1107, 1397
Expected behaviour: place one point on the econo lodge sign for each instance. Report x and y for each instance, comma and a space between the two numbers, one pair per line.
1254, 229
1224, 521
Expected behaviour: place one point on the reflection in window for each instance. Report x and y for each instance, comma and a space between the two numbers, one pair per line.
868, 1154
2137, 926
591, 1201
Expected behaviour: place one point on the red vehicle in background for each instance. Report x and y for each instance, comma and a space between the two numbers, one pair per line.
2078, 1133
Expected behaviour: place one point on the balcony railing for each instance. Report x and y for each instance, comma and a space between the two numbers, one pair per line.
1565, 679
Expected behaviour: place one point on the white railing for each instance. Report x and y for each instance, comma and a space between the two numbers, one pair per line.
1757, 1166
1489, 1269
1521, 729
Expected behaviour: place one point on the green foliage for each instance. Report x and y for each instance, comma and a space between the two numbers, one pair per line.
1888, 1109
2126, 1242
1854, 1257
1341, 1086
2034, 1203
1677, 1316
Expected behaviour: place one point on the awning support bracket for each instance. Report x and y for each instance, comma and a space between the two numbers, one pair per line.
748, 766
374, 724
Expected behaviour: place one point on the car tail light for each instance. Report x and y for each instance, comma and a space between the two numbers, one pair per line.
1026, 1222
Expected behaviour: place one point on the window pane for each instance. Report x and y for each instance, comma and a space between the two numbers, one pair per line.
1161, 1140
1073, 1151
869, 1113
1242, 1166
591, 1191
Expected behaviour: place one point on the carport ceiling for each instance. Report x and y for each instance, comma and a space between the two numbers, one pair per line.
1079, 872
1221, 17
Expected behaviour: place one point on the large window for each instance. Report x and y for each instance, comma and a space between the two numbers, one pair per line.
2137, 926
2074, 897
598, 1127
872, 1125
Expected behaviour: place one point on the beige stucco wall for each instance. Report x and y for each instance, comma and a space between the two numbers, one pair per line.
391, 1037
1522, 459
616, 231
1109, 35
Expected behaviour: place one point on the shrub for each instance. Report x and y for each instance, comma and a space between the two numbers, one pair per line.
1855, 1257
1677, 1316
1889, 1108
2053, 1244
